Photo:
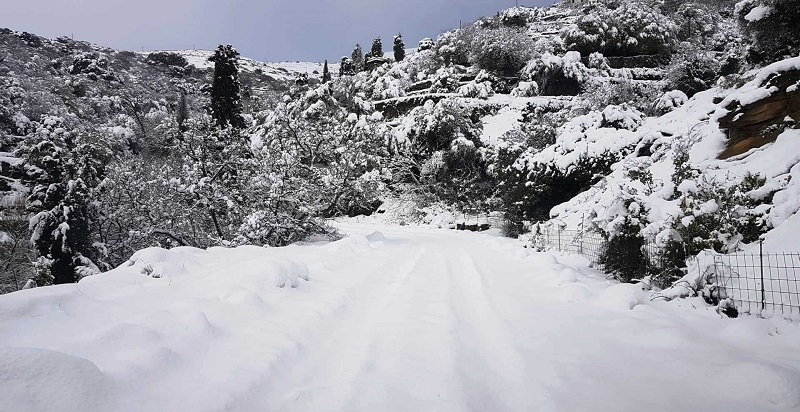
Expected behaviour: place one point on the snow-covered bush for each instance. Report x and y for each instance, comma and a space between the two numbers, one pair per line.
480, 87
503, 51
447, 79
598, 61
425, 44
693, 71
441, 140
629, 29
772, 24
473, 89
525, 89
92, 65
167, 59
557, 75
622, 117
600, 93
669, 101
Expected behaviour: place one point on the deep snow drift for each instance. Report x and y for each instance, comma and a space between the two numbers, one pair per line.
407, 318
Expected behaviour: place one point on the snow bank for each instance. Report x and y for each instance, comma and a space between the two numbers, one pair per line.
42, 380
161, 330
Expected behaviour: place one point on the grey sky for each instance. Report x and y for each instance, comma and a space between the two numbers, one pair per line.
273, 30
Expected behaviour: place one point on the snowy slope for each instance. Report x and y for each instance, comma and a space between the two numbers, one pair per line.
277, 70
693, 125
407, 319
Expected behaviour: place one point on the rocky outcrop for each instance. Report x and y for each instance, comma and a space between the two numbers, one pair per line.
756, 124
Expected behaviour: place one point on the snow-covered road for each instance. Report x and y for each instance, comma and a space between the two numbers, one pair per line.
388, 319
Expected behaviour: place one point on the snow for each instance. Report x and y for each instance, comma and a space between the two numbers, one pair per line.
494, 127
694, 124
758, 13
388, 318
278, 70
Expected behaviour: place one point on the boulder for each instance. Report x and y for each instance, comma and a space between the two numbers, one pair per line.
756, 124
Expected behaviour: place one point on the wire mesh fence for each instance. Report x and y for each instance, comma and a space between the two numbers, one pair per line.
592, 245
760, 282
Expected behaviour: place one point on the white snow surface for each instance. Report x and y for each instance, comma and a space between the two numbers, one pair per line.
277, 70
695, 124
387, 319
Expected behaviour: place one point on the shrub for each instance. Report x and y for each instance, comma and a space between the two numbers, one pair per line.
772, 24
693, 71
639, 95
557, 75
623, 254
503, 51
631, 29
167, 59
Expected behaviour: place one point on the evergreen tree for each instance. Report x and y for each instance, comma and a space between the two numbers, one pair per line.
226, 104
358, 58
399, 48
64, 171
377, 48
182, 114
326, 75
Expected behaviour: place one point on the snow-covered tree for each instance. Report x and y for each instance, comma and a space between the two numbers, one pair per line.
399, 48
65, 169
357, 58
326, 74
226, 104
377, 49
629, 29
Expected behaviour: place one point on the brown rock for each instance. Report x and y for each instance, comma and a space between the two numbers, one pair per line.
759, 123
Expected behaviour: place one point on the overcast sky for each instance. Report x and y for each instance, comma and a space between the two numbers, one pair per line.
272, 30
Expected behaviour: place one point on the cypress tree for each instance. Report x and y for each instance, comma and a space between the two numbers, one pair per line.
377, 48
399, 48
226, 103
358, 58
326, 75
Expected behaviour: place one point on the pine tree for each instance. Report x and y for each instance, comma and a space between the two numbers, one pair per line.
326, 75
358, 58
182, 114
226, 104
399, 48
377, 48
64, 171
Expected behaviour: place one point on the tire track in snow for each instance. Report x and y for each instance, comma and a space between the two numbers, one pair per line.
491, 365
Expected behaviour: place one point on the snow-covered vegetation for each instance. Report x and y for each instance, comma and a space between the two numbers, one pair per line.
179, 217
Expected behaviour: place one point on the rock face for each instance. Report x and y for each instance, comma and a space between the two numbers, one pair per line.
756, 124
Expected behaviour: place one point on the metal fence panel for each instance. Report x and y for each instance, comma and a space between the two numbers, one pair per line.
760, 282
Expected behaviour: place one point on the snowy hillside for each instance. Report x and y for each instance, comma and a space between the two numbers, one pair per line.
196, 230
396, 319
286, 71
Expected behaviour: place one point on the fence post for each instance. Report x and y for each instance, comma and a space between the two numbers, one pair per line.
559, 239
761, 263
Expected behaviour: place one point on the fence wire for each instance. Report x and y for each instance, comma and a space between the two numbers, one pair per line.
756, 282
760, 282
591, 245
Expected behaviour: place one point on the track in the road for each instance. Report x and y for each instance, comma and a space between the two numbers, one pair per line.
458, 322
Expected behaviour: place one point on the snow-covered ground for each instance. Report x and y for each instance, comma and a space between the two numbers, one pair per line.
277, 70
387, 319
